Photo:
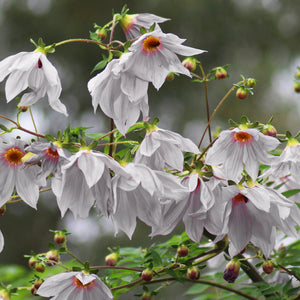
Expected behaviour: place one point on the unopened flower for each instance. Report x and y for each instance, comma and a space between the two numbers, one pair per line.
13, 175
232, 271
236, 149
31, 70
120, 95
163, 149
153, 56
131, 24
75, 286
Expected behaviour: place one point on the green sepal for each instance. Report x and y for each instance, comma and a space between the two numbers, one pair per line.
233, 123
49, 137
4, 128
288, 135
93, 145
76, 269
143, 30
152, 27
100, 65
87, 266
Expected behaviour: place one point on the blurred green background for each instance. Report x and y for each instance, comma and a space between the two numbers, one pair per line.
258, 39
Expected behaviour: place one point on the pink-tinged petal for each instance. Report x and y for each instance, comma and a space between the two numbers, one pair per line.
259, 196
26, 186
15, 84
125, 214
173, 213
149, 144
54, 285
1, 241
239, 225
91, 166
7, 183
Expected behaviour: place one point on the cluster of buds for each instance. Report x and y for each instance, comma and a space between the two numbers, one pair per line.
243, 90
35, 285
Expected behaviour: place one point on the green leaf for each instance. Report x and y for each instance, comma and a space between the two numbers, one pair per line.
100, 65
290, 193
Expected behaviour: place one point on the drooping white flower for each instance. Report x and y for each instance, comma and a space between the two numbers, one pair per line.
236, 149
163, 149
141, 195
31, 70
250, 214
14, 175
131, 24
192, 210
153, 56
75, 286
288, 163
120, 95
85, 179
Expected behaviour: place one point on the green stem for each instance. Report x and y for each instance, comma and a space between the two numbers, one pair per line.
74, 256
112, 29
216, 109
33, 122
206, 100
80, 41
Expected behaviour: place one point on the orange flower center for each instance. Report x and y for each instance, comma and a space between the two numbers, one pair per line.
242, 137
151, 44
80, 285
239, 198
51, 154
13, 156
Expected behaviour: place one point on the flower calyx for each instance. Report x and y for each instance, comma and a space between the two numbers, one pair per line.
41, 47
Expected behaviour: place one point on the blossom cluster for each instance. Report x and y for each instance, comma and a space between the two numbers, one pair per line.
223, 191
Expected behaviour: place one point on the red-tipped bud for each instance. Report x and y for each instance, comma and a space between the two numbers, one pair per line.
32, 261
297, 75
193, 273
190, 63
221, 73
251, 82
147, 275
146, 296
102, 33
52, 256
40, 267
23, 108
182, 251
270, 130
59, 237
32, 291
268, 267
37, 283
297, 86
2, 210
232, 271
170, 76
241, 93
111, 259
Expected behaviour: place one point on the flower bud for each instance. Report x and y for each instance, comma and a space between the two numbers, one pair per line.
2, 210
23, 108
37, 283
221, 73
297, 75
241, 93
146, 296
270, 130
251, 82
297, 86
147, 275
170, 76
32, 291
111, 259
32, 261
190, 63
40, 267
52, 255
102, 33
268, 267
182, 251
59, 237
193, 273
232, 271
